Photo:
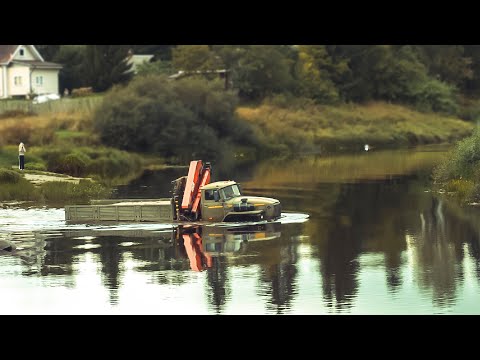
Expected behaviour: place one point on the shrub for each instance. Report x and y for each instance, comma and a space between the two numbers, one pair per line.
463, 162
80, 92
83, 161
60, 191
463, 189
434, 95
74, 164
9, 177
185, 118
113, 165
15, 187
39, 166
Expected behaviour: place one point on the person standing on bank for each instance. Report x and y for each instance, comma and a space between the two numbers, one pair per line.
21, 155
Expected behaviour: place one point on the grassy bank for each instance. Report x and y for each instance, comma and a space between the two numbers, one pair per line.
14, 186
459, 174
65, 142
309, 127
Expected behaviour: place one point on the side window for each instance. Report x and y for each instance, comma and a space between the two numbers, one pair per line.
209, 195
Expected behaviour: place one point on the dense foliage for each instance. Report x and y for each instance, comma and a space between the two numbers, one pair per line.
181, 119
429, 77
460, 172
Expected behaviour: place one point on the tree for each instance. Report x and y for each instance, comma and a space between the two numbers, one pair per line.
262, 70
472, 85
155, 68
48, 52
396, 74
383, 72
447, 63
194, 58
106, 65
72, 58
315, 71
357, 84
184, 119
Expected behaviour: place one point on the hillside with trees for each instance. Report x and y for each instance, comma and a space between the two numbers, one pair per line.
280, 98
430, 77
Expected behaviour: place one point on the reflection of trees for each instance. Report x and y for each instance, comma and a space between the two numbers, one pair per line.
111, 257
464, 226
474, 247
162, 256
364, 219
339, 268
218, 283
436, 249
58, 258
278, 275
283, 280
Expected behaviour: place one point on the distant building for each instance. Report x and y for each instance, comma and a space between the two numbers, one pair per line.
23, 71
137, 60
222, 74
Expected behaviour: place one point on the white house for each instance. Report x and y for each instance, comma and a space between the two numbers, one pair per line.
137, 60
24, 71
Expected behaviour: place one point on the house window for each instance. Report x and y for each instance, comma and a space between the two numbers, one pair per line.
22, 52
17, 80
39, 80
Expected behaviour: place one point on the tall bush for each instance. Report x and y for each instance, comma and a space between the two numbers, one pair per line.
177, 119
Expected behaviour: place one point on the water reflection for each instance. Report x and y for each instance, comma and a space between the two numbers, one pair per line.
278, 280
182, 249
436, 249
375, 242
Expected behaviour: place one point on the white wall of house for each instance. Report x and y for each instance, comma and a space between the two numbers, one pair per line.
18, 80
45, 81
27, 54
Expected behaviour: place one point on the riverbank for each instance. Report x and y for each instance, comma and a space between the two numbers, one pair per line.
458, 175
304, 126
66, 142
283, 126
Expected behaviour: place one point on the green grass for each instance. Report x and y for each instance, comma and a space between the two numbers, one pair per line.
459, 173
14, 187
8, 158
65, 192
309, 127
463, 190
69, 134
65, 105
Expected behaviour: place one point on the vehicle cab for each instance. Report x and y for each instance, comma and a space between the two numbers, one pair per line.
224, 201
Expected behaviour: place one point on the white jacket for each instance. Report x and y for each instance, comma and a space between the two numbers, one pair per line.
21, 149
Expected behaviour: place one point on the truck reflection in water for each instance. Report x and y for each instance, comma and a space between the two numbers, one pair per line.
166, 249
202, 243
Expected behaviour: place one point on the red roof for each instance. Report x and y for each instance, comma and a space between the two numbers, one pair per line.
6, 51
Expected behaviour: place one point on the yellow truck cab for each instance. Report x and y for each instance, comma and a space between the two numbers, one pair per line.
223, 201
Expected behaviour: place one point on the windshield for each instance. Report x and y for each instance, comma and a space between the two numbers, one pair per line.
230, 192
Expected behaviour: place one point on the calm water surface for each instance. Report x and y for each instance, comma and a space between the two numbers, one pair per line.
377, 241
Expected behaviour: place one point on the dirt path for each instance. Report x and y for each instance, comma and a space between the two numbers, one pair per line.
38, 179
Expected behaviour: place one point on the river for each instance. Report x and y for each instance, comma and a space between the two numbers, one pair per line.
362, 234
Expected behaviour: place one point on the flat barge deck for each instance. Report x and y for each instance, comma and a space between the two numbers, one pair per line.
137, 210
